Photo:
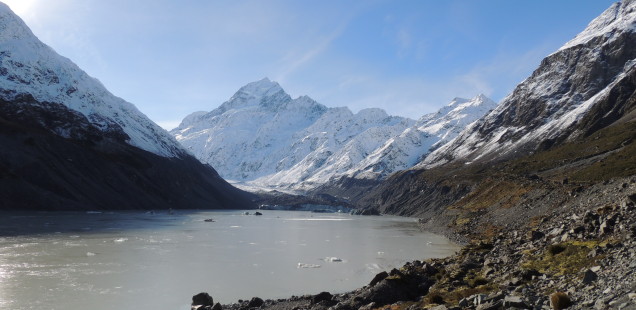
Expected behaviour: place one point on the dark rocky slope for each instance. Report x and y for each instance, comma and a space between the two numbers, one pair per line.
53, 158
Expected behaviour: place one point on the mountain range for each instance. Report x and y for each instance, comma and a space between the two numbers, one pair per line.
70, 143
568, 126
265, 139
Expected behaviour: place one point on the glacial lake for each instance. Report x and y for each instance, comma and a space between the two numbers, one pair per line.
138, 260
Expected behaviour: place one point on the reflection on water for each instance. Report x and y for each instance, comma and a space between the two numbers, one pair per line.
136, 260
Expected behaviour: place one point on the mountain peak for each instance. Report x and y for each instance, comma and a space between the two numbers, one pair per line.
264, 92
619, 17
11, 26
261, 87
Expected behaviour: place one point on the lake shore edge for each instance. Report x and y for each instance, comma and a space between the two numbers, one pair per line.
579, 255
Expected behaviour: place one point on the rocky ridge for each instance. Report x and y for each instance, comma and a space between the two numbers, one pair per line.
560, 101
28, 66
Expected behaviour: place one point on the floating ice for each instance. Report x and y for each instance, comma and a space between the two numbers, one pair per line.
333, 259
90, 254
120, 240
302, 265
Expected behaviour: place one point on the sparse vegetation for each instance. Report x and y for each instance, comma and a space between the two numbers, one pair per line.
560, 301
562, 259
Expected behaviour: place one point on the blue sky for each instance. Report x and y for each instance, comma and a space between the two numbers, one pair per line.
171, 58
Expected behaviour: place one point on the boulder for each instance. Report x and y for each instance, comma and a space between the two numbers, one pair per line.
255, 302
589, 276
202, 299
513, 302
378, 277
323, 296
534, 235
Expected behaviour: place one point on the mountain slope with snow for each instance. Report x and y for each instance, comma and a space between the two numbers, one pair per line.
429, 133
549, 107
263, 137
29, 66
69, 144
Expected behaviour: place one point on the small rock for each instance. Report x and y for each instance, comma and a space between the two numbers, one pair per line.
605, 228
499, 295
577, 230
600, 304
529, 274
514, 282
463, 303
368, 306
480, 299
440, 307
632, 296
589, 276
596, 268
513, 301
217, 306
490, 305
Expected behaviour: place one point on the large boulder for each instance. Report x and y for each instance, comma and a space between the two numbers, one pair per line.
202, 299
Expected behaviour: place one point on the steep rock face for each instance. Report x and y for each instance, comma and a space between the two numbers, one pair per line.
547, 108
28, 66
54, 158
263, 137
69, 144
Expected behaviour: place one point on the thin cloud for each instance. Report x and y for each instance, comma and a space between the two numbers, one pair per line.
295, 61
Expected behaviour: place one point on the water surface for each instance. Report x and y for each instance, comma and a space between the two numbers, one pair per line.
137, 260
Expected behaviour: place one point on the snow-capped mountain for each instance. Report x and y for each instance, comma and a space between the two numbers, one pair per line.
263, 137
429, 133
69, 144
28, 66
572, 93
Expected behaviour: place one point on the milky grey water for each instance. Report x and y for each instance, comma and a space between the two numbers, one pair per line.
136, 260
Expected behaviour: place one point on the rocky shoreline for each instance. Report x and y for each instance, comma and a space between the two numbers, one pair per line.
581, 255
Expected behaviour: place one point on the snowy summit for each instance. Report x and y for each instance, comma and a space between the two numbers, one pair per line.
263, 137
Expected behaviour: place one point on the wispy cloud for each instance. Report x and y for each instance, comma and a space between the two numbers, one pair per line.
297, 59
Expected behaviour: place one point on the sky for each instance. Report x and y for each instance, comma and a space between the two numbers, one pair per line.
409, 57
